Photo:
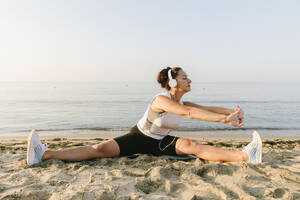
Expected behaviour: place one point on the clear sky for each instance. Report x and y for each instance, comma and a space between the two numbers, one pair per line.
109, 40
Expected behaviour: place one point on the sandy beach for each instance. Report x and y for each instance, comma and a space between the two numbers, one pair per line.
149, 177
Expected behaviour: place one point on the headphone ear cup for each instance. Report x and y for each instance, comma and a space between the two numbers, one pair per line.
173, 83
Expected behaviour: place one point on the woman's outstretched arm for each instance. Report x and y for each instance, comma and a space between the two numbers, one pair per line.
210, 108
217, 109
163, 103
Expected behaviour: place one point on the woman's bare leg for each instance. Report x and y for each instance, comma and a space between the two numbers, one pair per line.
105, 149
206, 152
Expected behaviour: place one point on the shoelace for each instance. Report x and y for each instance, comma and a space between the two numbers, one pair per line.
251, 150
37, 149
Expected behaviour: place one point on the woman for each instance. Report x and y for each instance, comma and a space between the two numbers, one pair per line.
150, 135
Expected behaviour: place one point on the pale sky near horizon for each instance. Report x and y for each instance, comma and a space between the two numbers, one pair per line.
113, 40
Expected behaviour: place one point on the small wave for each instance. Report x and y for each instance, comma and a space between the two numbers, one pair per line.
234, 129
183, 129
83, 129
102, 129
248, 101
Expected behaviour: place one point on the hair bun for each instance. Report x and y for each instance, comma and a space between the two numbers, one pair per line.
163, 75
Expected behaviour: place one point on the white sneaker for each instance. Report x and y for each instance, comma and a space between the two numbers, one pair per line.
254, 149
35, 149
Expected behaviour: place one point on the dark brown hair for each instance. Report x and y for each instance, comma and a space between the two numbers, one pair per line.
163, 78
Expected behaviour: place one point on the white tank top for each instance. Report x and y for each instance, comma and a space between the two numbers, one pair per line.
158, 124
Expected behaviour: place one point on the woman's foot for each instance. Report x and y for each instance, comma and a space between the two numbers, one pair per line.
254, 149
35, 149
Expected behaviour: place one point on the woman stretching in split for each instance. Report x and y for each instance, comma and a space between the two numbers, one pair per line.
150, 135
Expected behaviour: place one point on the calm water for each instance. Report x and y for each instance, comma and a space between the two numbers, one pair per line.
58, 108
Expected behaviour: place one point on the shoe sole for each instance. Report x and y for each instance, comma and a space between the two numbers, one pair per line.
29, 147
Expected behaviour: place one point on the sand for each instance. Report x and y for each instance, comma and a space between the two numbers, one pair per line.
149, 177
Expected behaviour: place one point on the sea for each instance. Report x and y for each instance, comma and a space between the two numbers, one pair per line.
112, 108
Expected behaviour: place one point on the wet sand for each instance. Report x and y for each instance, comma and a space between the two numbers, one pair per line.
149, 177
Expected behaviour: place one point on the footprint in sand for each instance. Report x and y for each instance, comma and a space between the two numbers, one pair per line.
213, 170
257, 192
148, 186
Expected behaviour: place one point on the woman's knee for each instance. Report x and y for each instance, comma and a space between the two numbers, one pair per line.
99, 147
107, 149
187, 143
186, 146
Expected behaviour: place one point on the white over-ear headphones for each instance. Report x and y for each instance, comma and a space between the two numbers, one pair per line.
172, 82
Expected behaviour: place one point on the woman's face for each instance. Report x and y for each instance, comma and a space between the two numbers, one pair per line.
183, 82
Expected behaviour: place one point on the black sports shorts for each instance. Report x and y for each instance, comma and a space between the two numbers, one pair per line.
136, 142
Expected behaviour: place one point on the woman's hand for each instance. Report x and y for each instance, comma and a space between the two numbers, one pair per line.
241, 114
235, 119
